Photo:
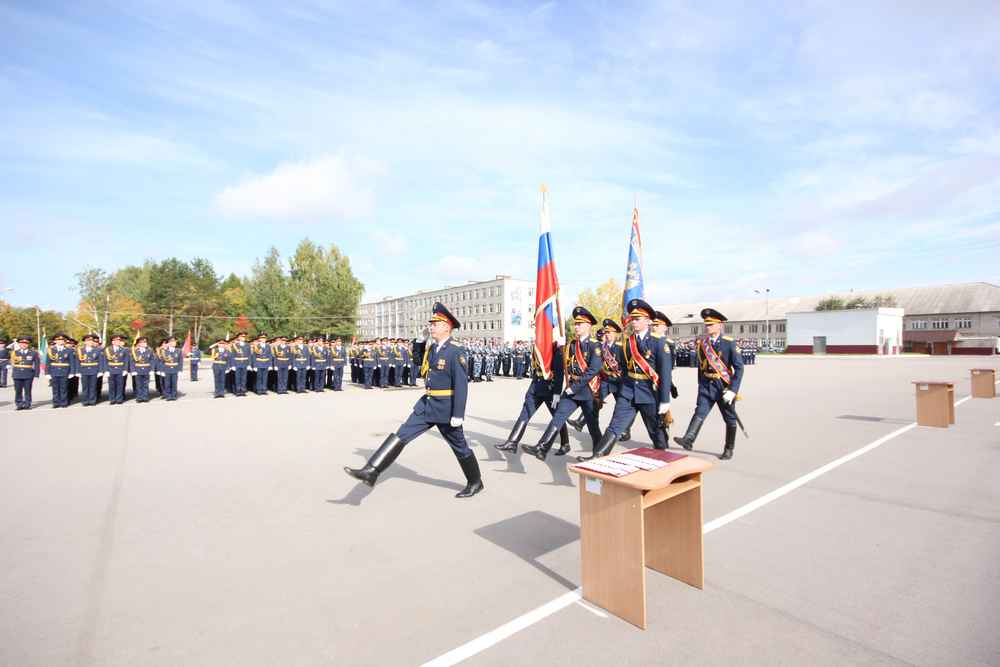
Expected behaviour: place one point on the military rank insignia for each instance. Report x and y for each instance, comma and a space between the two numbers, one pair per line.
440, 364
462, 362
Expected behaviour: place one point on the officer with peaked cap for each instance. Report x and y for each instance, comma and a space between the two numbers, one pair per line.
4, 361
261, 360
582, 365
25, 363
60, 366
142, 364
613, 356
116, 368
646, 382
222, 363
240, 350
445, 372
720, 372
90, 361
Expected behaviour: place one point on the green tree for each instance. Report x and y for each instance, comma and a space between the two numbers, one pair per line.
324, 286
604, 301
96, 291
831, 303
269, 295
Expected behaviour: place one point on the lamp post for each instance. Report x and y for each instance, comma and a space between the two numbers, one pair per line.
766, 291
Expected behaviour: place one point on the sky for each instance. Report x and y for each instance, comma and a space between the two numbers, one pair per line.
802, 147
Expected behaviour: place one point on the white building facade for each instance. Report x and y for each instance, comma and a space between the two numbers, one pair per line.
855, 331
501, 310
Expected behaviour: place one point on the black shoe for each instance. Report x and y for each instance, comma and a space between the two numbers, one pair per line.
379, 461
692, 433
473, 478
563, 442
602, 448
727, 453
516, 433
541, 450
626, 436
577, 423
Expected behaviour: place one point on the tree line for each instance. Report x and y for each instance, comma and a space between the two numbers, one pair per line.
313, 291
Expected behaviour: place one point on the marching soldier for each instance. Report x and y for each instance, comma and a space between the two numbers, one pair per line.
582, 365
171, 363
720, 372
541, 390
90, 361
4, 361
142, 364
442, 405
282, 362
613, 356
194, 358
646, 383
260, 357
338, 359
222, 363
116, 369
25, 369
240, 351
61, 365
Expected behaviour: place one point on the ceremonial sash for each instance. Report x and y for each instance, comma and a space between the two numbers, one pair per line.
641, 361
611, 362
595, 382
714, 360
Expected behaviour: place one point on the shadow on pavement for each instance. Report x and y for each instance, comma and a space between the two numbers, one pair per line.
530, 536
396, 471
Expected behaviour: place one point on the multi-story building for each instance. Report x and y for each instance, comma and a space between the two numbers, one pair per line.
501, 310
943, 319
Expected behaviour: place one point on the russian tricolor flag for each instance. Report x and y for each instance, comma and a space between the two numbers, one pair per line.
549, 327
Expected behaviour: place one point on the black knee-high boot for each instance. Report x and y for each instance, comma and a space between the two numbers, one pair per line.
516, 433
473, 478
603, 446
379, 461
727, 453
692, 433
541, 450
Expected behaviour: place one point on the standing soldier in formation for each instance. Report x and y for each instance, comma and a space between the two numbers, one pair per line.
222, 363
142, 363
645, 384
61, 364
4, 361
282, 356
301, 364
90, 361
73, 386
240, 350
442, 405
369, 359
194, 358
260, 357
319, 360
720, 372
582, 365
505, 359
338, 359
491, 360
116, 369
26, 369
171, 363
416, 356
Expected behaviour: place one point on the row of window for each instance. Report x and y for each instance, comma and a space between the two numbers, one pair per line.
942, 324
731, 328
467, 295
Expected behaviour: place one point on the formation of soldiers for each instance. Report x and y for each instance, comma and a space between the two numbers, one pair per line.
685, 352
280, 364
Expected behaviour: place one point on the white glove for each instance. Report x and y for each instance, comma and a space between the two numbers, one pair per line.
664, 408
126, 374
728, 396
105, 374
569, 391
456, 421
555, 402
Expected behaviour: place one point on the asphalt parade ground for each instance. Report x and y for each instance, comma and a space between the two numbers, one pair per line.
224, 532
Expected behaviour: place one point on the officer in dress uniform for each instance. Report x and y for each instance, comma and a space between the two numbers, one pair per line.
541, 390
260, 358
369, 360
282, 356
646, 382
194, 358
318, 361
720, 372
398, 361
338, 359
142, 364
4, 361
582, 365
240, 351
444, 369
406, 361
61, 364
222, 364
116, 369
73, 386
171, 364
25, 362
416, 355
300, 364
90, 361
613, 356
383, 363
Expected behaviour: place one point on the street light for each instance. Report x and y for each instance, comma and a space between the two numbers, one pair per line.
766, 291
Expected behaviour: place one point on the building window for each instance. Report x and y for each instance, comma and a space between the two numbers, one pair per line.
963, 323
939, 324
780, 327
753, 328
694, 329
918, 324
728, 328
741, 328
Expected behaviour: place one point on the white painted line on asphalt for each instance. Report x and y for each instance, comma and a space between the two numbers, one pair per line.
494, 637
593, 610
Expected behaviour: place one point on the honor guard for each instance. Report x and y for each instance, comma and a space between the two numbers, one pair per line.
720, 371
4, 361
194, 358
541, 390
25, 363
142, 364
646, 382
260, 358
582, 365
90, 361
116, 369
240, 350
222, 363
61, 365
444, 369
613, 356
338, 359
282, 355
369, 359
171, 363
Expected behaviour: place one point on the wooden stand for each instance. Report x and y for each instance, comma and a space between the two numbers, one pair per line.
646, 519
935, 403
984, 383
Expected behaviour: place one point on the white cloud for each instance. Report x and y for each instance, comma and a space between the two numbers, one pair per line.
327, 186
389, 243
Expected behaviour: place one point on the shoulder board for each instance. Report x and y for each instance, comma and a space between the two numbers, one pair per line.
670, 340
729, 338
655, 335
593, 339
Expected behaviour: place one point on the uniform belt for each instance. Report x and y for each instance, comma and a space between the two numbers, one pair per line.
713, 376
116, 363
23, 366
638, 376
440, 392
263, 359
56, 363
242, 358
88, 363
220, 361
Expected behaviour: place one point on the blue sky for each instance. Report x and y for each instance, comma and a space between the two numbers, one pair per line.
806, 148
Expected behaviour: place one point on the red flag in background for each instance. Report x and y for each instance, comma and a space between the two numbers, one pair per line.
186, 350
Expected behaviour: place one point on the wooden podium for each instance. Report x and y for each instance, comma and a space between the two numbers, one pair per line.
935, 403
645, 519
984, 383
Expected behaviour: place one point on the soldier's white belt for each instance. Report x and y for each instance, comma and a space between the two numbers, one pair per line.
440, 392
